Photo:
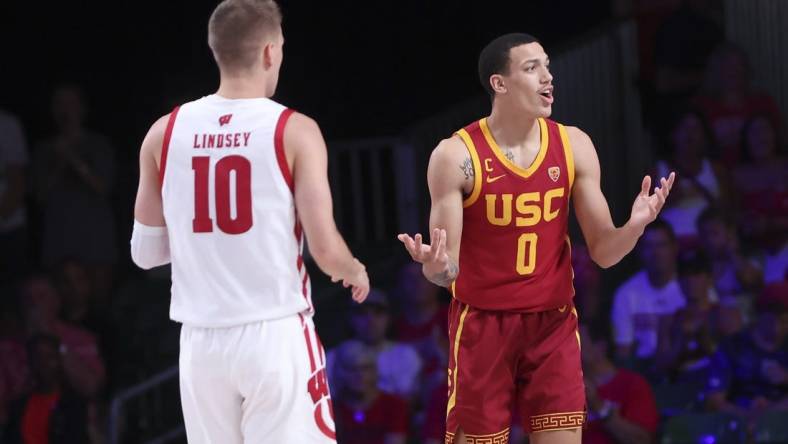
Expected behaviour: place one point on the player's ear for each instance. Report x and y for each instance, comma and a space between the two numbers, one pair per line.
268, 55
496, 82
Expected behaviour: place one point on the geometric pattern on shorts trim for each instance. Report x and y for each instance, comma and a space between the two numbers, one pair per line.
501, 437
557, 421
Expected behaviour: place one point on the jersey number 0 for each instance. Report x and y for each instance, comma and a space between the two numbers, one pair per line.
242, 168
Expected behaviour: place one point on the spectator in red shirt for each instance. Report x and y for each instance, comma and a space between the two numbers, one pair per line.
761, 182
621, 405
82, 363
422, 321
364, 414
434, 429
588, 286
728, 100
52, 413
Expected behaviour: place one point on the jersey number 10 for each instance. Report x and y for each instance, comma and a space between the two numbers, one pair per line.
242, 221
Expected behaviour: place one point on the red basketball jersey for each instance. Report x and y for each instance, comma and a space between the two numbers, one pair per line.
515, 252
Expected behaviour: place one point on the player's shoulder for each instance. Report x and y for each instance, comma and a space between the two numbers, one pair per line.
301, 130
301, 121
153, 140
449, 149
577, 136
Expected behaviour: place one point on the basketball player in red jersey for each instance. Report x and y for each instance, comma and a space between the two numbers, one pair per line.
229, 183
500, 190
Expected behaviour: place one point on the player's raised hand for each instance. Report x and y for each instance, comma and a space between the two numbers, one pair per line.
433, 255
647, 205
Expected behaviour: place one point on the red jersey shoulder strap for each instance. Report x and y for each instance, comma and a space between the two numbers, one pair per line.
568, 155
469, 136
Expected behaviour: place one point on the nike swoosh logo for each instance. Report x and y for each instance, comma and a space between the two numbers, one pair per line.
493, 179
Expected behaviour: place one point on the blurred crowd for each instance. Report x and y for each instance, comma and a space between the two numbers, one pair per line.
701, 326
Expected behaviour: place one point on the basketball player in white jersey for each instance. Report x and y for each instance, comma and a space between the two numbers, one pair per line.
229, 185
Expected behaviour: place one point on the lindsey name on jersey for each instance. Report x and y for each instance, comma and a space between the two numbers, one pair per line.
230, 140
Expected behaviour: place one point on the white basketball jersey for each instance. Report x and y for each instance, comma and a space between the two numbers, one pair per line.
235, 241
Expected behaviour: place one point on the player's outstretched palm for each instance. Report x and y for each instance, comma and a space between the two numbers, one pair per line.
433, 255
647, 206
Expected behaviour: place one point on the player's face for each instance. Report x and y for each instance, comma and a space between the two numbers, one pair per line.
528, 82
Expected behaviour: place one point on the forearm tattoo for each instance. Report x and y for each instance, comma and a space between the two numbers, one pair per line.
447, 276
467, 168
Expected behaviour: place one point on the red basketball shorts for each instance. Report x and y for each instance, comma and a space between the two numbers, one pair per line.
504, 361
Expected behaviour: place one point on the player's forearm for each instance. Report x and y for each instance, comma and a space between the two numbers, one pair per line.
610, 247
334, 258
442, 276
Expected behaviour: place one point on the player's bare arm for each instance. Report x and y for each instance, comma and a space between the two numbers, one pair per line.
607, 243
148, 206
450, 173
307, 158
150, 246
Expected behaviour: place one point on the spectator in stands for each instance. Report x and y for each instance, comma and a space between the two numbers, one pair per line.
53, 412
621, 405
734, 273
775, 266
703, 181
761, 182
82, 363
14, 377
434, 428
422, 321
688, 343
588, 286
13, 227
74, 177
650, 295
682, 45
80, 305
398, 364
755, 362
728, 100
364, 414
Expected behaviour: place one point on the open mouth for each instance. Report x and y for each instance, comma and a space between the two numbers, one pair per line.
547, 95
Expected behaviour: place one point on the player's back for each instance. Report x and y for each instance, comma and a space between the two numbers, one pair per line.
228, 203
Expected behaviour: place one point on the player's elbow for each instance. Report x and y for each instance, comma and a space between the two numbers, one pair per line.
600, 258
146, 263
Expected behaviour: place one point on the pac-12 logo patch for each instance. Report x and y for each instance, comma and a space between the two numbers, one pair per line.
225, 119
554, 173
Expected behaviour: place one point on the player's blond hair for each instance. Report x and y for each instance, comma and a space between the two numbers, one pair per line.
238, 30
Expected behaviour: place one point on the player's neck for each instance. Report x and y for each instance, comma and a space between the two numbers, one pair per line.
513, 129
251, 87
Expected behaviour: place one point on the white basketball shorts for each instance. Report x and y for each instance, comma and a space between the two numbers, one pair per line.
263, 382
